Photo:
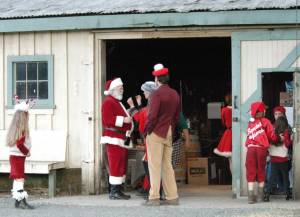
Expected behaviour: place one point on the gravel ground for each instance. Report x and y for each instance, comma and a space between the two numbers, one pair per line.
190, 205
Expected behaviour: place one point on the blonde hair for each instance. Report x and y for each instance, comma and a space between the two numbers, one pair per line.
18, 127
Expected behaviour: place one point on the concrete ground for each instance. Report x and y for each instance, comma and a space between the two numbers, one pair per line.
212, 201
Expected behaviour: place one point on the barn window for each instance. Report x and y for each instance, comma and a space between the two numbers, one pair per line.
31, 77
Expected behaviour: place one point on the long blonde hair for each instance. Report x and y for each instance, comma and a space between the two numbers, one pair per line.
18, 127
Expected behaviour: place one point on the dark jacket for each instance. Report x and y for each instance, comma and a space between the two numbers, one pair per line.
164, 109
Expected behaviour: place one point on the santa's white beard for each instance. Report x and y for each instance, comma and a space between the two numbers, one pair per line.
118, 96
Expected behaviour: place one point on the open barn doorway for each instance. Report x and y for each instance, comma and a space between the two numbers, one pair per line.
200, 71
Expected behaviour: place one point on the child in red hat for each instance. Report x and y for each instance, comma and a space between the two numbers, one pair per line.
279, 154
260, 131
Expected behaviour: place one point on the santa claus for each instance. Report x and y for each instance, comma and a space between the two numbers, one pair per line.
117, 127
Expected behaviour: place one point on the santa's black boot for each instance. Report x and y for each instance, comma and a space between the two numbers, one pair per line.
26, 205
115, 193
17, 204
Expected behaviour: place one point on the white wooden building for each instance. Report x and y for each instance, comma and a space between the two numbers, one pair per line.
61, 47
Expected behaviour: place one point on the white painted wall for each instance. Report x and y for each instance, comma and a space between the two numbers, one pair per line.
256, 55
73, 91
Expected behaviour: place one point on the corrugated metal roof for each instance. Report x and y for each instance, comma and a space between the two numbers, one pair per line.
38, 8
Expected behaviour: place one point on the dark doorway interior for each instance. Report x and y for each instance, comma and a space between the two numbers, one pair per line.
200, 70
272, 85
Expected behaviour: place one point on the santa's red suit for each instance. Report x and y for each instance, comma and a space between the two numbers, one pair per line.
224, 147
115, 132
259, 133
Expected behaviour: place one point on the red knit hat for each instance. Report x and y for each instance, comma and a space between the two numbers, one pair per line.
257, 107
111, 84
160, 70
279, 109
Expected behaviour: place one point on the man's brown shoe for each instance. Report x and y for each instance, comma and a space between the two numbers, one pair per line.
154, 202
174, 202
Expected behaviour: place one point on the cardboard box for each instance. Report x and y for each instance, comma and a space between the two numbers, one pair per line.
197, 171
191, 154
286, 98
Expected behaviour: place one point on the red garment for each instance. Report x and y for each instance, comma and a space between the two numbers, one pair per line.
256, 164
113, 114
21, 146
146, 183
141, 118
279, 154
164, 109
260, 131
17, 167
257, 107
224, 147
117, 162
279, 109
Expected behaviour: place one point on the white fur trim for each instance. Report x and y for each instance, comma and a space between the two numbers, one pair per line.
278, 151
115, 83
158, 66
124, 179
19, 195
114, 180
224, 154
119, 121
22, 106
113, 141
252, 119
106, 93
17, 186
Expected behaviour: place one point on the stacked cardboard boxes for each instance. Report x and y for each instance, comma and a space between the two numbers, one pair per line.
286, 99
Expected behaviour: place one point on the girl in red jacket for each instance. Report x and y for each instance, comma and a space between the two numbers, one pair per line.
140, 116
224, 147
279, 157
260, 131
18, 141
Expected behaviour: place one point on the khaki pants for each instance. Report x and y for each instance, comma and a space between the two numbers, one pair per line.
160, 166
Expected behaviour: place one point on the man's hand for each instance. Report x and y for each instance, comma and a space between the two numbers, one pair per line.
127, 120
130, 102
138, 99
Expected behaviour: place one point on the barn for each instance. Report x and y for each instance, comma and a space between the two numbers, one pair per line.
62, 53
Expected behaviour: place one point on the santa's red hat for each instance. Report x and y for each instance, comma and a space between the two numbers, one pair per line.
279, 109
111, 84
257, 107
160, 70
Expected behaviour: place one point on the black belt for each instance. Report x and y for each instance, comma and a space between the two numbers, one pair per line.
115, 130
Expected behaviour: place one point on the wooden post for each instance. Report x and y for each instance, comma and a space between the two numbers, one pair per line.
52, 183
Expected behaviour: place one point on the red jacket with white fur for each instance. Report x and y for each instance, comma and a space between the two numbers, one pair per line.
113, 114
260, 132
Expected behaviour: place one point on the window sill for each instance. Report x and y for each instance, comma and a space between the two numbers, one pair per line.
11, 111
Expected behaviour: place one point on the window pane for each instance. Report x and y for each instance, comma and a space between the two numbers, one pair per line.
43, 71
20, 71
21, 90
43, 90
32, 89
31, 71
